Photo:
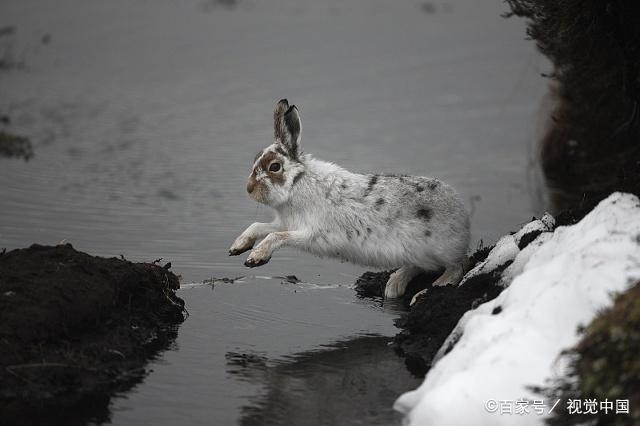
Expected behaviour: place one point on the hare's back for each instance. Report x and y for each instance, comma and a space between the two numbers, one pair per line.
428, 210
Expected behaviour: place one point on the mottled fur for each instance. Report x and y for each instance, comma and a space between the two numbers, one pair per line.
413, 223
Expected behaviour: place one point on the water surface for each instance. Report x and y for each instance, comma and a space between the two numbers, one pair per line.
145, 116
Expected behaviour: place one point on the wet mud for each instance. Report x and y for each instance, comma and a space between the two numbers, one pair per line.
75, 329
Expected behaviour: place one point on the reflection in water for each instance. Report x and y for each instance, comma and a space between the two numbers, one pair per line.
590, 146
349, 382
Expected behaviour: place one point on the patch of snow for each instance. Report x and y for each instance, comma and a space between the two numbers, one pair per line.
507, 249
545, 224
522, 258
504, 251
563, 280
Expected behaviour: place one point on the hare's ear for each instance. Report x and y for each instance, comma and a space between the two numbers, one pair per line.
287, 127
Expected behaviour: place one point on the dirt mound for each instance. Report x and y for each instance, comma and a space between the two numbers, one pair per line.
75, 328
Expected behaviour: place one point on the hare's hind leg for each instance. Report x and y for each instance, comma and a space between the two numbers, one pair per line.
451, 276
398, 281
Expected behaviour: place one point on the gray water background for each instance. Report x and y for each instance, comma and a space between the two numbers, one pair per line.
145, 116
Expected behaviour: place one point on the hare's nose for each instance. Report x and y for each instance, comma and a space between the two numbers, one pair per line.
251, 185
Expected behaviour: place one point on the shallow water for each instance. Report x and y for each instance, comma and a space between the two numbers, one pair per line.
266, 352
145, 117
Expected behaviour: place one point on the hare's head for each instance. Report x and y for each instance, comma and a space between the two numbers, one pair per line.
278, 167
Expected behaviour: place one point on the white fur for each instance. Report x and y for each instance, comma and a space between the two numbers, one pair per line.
409, 222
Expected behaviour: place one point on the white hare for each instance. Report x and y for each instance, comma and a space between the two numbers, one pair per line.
412, 223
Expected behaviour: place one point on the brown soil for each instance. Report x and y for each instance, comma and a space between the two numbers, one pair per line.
75, 329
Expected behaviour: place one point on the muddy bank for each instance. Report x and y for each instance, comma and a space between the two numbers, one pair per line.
434, 316
75, 329
590, 144
428, 323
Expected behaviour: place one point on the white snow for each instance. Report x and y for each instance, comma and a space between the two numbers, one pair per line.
563, 280
506, 249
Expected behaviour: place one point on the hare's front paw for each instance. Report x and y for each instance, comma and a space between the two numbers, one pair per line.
258, 257
240, 245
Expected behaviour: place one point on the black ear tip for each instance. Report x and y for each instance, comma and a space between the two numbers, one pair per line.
284, 101
291, 108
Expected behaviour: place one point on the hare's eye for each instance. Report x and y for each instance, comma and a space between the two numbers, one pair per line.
274, 167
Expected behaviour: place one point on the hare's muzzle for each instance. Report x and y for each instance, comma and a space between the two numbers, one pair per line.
251, 185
